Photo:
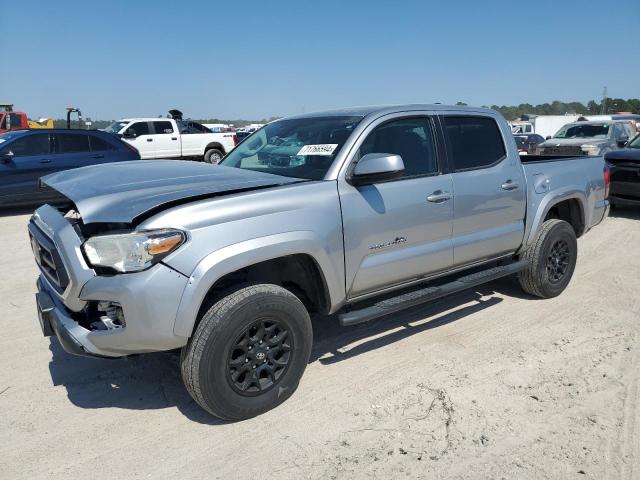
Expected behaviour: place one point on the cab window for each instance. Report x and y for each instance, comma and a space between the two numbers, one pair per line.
139, 128
411, 138
474, 142
162, 127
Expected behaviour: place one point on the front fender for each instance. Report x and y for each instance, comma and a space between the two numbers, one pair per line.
244, 254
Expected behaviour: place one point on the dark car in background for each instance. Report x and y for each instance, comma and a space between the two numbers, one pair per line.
27, 155
526, 142
624, 168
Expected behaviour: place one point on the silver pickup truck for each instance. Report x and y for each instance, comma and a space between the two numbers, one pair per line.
359, 212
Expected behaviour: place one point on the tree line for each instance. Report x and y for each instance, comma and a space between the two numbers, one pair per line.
612, 105
510, 112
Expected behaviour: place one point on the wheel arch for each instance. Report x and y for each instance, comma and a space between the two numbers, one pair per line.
293, 260
216, 146
568, 205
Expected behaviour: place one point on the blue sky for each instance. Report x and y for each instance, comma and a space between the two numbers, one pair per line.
254, 59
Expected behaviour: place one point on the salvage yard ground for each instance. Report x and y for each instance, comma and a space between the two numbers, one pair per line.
490, 383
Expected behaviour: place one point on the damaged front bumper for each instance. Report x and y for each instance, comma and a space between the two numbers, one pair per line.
71, 310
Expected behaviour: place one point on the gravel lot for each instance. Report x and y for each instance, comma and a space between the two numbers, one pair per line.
486, 384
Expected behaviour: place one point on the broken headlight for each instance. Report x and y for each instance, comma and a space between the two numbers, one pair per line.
132, 252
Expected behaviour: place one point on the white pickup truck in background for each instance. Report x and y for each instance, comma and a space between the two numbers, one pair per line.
174, 138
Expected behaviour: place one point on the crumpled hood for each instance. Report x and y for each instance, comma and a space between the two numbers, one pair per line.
121, 192
572, 142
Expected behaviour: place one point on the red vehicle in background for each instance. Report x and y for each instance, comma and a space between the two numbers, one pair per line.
10, 120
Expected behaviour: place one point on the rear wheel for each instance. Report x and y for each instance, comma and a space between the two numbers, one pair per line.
552, 260
248, 352
213, 155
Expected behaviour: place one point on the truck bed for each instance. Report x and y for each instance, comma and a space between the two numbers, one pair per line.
558, 177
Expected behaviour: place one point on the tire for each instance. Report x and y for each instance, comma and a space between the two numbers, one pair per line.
213, 155
226, 340
554, 250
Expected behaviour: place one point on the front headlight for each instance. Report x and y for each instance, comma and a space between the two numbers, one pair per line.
590, 149
132, 252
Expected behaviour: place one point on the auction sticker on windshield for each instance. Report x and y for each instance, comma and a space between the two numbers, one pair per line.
323, 149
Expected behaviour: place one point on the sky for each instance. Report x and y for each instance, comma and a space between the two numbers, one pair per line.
257, 59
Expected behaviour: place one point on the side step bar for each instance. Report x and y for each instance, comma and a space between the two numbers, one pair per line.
416, 297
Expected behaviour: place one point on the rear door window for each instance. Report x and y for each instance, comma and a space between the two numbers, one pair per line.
72, 143
29, 145
99, 145
162, 127
474, 142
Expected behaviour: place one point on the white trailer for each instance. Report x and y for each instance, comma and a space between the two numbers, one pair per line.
544, 125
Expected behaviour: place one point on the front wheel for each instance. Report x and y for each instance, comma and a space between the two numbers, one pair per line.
552, 260
248, 352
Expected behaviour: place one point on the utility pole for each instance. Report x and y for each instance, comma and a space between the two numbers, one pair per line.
603, 109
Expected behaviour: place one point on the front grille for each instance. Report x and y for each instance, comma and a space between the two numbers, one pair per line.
48, 258
577, 151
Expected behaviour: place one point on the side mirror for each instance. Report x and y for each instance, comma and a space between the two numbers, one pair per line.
623, 140
7, 157
377, 167
548, 137
129, 134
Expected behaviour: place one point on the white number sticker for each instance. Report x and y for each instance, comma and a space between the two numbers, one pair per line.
324, 149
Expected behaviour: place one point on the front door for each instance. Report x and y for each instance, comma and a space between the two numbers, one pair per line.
400, 230
141, 139
166, 140
20, 172
490, 189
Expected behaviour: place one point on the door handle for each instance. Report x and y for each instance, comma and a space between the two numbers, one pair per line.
97, 156
439, 196
509, 185
149, 139
45, 160
174, 138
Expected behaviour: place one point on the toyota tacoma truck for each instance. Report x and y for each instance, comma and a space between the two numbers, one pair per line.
359, 213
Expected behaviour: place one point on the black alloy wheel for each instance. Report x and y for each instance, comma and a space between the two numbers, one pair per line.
558, 261
259, 357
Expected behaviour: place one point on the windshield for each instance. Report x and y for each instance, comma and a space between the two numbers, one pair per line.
635, 143
583, 131
115, 127
299, 147
520, 141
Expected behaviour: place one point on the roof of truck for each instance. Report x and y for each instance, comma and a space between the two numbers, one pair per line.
384, 109
144, 119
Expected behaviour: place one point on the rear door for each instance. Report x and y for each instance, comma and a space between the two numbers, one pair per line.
71, 150
488, 181
192, 136
103, 151
400, 230
166, 139
19, 176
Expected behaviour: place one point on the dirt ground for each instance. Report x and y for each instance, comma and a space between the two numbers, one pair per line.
486, 384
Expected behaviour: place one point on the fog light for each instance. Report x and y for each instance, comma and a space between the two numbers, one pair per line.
111, 315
